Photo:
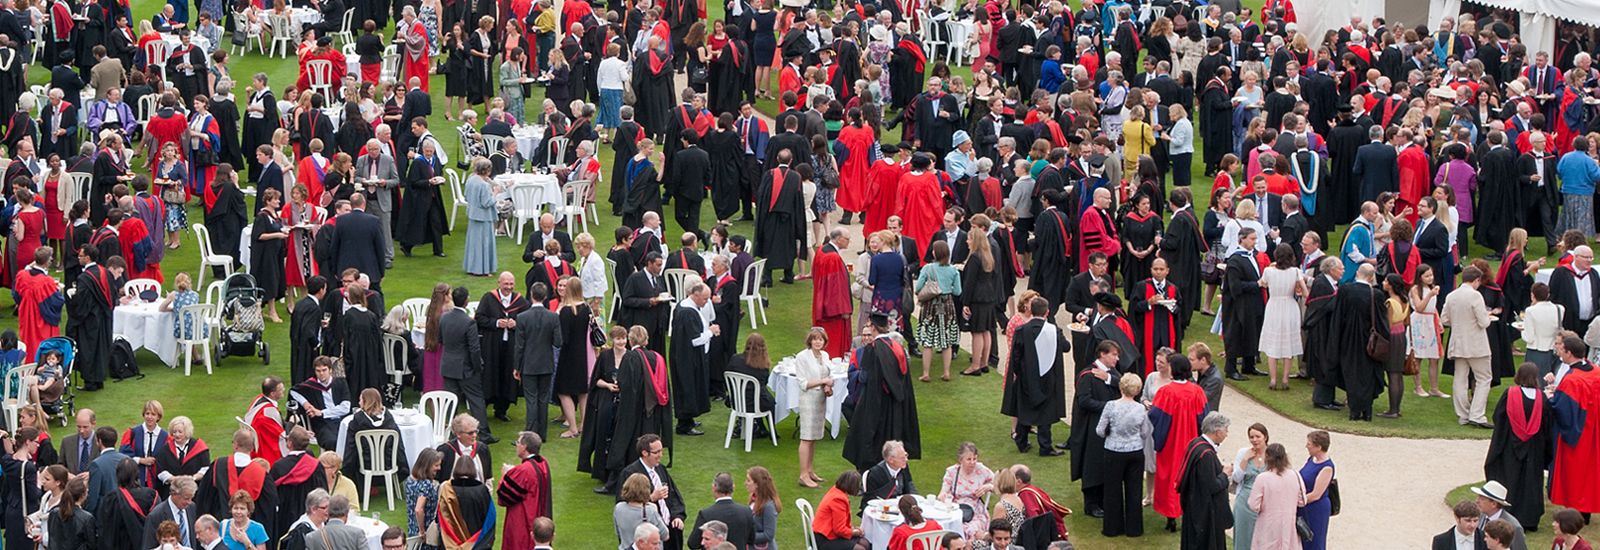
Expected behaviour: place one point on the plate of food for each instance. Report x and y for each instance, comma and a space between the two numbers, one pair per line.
1078, 327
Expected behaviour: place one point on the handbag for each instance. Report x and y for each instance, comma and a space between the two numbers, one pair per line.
173, 194
1333, 497
1410, 368
698, 76
628, 96
1377, 340
1302, 528
431, 536
929, 291
597, 333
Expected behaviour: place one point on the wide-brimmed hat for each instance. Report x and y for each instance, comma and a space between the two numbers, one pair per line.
1494, 491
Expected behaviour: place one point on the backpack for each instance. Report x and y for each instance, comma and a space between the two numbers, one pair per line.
123, 364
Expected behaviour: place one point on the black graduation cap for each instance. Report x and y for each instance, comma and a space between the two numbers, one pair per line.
1346, 108
325, 41
880, 321
1108, 299
1074, 139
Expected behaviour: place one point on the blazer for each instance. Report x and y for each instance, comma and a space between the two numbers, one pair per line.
674, 499
336, 535
69, 453
536, 242
538, 335
1447, 540
480, 200
102, 478
738, 517
359, 243
879, 483
382, 201
958, 253
458, 337
162, 512
1468, 318
106, 75
1563, 290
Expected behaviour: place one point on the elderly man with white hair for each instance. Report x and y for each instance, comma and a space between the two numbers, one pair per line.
1536, 169
378, 177
646, 537
1203, 487
59, 131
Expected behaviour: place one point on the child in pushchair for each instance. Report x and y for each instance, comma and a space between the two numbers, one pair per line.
48, 382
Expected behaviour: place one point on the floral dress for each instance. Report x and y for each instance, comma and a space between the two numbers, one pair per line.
430, 21
1425, 331
421, 488
177, 218
968, 489
184, 326
878, 53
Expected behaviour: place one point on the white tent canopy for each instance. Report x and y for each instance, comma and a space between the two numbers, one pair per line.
1538, 17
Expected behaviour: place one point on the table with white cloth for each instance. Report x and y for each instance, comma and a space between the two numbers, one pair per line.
786, 390
145, 326
372, 527
877, 526
546, 189
173, 42
416, 432
335, 116
304, 16
1543, 276
528, 139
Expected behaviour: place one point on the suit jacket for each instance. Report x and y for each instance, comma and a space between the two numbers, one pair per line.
1290, 229
687, 176
69, 453
359, 244
164, 512
1447, 540
536, 243
958, 253
538, 335
1080, 297
1519, 538
383, 200
417, 104
1468, 318
880, 483
336, 535
740, 521
1433, 246
1564, 289
102, 478
106, 75
1270, 209
458, 337
1378, 168
675, 508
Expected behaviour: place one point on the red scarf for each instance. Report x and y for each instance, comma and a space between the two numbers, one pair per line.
301, 471
778, 175
657, 373
916, 51
253, 476
1525, 418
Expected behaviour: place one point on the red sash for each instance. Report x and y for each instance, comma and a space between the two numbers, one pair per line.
778, 175
899, 355
137, 509
301, 471
1525, 420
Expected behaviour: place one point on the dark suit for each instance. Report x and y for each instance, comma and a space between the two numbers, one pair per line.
359, 244
740, 521
1291, 229
164, 511
1447, 540
538, 335
638, 311
1269, 209
1564, 289
880, 483
417, 104
1539, 199
674, 500
1378, 169
102, 478
1433, 248
336, 535
958, 253
271, 178
462, 362
1243, 309
686, 181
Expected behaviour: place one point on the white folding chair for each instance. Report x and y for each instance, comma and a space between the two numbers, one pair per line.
524, 206
747, 409
807, 513
148, 105
283, 33
81, 183
377, 462
442, 405
391, 63
458, 197
344, 33
616, 293
556, 153
750, 293
492, 143
16, 392
194, 329
208, 257
576, 194
396, 362
931, 540
416, 311
135, 288
156, 52
319, 76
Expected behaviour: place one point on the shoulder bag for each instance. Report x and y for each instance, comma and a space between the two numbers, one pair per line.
1377, 340
597, 333
929, 290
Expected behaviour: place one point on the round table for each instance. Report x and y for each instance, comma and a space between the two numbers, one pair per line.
786, 390
145, 326
528, 139
305, 16
545, 189
173, 42
877, 526
372, 527
416, 432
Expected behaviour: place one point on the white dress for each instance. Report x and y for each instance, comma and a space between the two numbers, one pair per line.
1280, 328
813, 402
1425, 330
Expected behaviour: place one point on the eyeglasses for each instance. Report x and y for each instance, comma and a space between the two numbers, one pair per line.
473, 432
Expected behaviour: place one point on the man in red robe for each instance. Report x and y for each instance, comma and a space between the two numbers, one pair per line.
416, 63
1037, 502
1098, 230
34, 287
857, 139
1154, 305
133, 236
323, 51
830, 293
1414, 180
311, 169
1576, 404
920, 203
525, 493
1175, 413
264, 418
883, 181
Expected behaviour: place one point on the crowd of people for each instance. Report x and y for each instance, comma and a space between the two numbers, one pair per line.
1055, 175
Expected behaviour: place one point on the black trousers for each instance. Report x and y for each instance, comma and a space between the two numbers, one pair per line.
1322, 394
470, 390
536, 391
687, 213
1360, 409
1045, 438
1237, 364
1541, 215
1181, 165
1124, 489
749, 179
1094, 497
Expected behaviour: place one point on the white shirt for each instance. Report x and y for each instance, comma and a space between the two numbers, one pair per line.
1585, 299
656, 483
1465, 542
704, 340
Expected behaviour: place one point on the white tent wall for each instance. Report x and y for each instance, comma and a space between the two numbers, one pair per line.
1538, 17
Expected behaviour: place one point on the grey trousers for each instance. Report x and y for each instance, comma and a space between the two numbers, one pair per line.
470, 390
388, 235
537, 390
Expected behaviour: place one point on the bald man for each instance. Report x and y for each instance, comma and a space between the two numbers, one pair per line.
497, 324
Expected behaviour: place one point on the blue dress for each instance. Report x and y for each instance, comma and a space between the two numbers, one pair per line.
765, 41
255, 532
1316, 512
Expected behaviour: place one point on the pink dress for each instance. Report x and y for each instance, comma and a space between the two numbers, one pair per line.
1276, 497
432, 378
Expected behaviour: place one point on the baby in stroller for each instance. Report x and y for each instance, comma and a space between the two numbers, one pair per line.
48, 382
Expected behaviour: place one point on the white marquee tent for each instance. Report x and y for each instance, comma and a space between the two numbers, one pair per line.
1538, 17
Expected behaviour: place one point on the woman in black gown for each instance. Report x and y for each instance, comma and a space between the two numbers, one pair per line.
1518, 451
362, 336
183, 455
353, 134
480, 63
455, 69
122, 513
1139, 230
268, 248
260, 120
599, 416
572, 365
371, 416
226, 112
226, 218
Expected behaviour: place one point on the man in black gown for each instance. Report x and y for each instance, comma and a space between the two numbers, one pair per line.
1052, 250
686, 179
1216, 118
305, 329
325, 399
296, 475
1356, 310
1243, 307
780, 218
936, 116
643, 405
645, 302
92, 297
887, 409
1322, 344
1035, 390
1203, 488
233, 473
1096, 386
1183, 247
691, 347
497, 320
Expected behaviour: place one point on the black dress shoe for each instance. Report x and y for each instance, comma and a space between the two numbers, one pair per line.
1051, 452
1389, 414
1024, 446
601, 490
1062, 446
1328, 407
1096, 513
1339, 404
1254, 372
690, 431
1238, 377
489, 439
1484, 425
1172, 525
502, 417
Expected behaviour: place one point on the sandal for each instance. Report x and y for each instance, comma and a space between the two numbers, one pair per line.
1422, 393
945, 378
925, 378
808, 483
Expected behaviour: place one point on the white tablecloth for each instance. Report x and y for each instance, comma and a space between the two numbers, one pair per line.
146, 326
372, 527
416, 432
305, 16
786, 389
1543, 276
528, 138
547, 189
877, 527
173, 42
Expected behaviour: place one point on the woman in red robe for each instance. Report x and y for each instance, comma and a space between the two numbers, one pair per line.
1175, 413
919, 203
883, 181
1570, 120
830, 299
303, 220
131, 234
33, 289
857, 139
1414, 180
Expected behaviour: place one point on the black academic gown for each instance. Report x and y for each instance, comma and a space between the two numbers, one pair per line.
638, 311
362, 336
258, 131
1052, 253
625, 144
1088, 448
600, 418
1340, 200
726, 77
690, 368
226, 113
1216, 121
226, 219
1203, 493
727, 161
1183, 246
1321, 342
181, 462
643, 192
906, 63
1519, 463
1116, 329
1032, 397
847, 55
780, 218
1498, 186
499, 359
122, 515
652, 84
887, 409
216, 488
1243, 306
638, 411
295, 476
1354, 315
421, 213
89, 321
305, 337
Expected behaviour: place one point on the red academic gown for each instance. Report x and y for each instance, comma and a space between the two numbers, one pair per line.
33, 289
129, 233
1574, 482
830, 301
790, 80
1175, 412
166, 130
920, 206
1157, 325
1414, 180
1099, 235
852, 196
883, 184
419, 64
336, 57
525, 493
268, 425
309, 172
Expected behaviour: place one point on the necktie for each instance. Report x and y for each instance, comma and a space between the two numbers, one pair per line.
1420, 224
149, 443
183, 526
83, 454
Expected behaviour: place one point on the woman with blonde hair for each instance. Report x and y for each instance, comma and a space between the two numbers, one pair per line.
432, 352
1244, 216
371, 415
576, 359
757, 364
338, 483
981, 295
813, 367
183, 455
594, 448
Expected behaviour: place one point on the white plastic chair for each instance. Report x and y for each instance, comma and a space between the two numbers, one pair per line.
81, 183
678, 282
214, 292
930, 540
556, 153
319, 76
524, 206
396, 362
282, 33
391, 63
14, 385
576, 194
148, 105
134, 288
458, 197
744, 387
472, 309
240, 42
807, 513
416, 311
932, 34
443, 407
750, 293
156, 52
344, 29
492, 143
349, 50
208, 257
616, 292
197, 317
377, 462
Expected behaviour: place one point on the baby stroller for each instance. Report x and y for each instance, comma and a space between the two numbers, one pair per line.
64, 407
242, 324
